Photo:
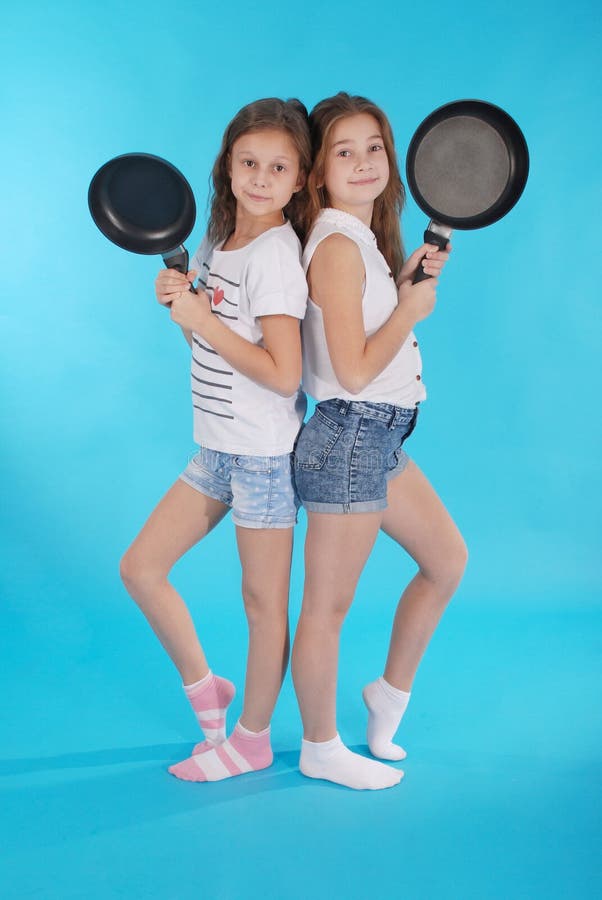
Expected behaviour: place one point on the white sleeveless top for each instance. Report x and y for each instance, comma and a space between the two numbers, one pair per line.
400, 383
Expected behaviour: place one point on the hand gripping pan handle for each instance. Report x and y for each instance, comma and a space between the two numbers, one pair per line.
435, 234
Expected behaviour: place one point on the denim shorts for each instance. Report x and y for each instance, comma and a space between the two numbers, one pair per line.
346, 453
260, 489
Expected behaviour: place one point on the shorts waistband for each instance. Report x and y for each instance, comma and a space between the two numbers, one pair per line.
385, 412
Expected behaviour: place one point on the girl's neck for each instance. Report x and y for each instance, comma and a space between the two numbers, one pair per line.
363, 213
247, 228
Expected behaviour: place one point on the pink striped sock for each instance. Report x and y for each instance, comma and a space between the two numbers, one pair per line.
210, 698
244, 751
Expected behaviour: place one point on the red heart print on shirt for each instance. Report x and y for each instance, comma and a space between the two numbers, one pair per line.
218, 296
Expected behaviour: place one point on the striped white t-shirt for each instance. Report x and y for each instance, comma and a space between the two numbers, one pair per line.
231, 412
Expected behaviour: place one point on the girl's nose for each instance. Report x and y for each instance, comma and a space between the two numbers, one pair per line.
364, 163
260, 178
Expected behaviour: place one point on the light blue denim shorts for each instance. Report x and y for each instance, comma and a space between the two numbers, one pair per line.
259, 489
347, 452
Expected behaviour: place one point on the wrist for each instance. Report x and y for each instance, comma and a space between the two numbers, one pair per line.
209, 326
405, 318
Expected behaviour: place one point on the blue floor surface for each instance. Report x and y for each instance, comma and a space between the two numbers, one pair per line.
501, 797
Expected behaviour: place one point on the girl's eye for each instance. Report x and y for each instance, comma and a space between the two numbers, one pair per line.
249, 163
376, 147
344, 153
280, 168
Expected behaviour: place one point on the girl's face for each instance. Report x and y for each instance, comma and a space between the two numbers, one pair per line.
264, 172
356, 168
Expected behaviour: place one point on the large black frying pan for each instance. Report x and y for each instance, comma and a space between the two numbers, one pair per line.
144, 204
466, 167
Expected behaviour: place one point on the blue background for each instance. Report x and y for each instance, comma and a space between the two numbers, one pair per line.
504, 728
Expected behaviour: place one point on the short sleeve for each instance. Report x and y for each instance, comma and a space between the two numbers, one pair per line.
201, 261
275, 283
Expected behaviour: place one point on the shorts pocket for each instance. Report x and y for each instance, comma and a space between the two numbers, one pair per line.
253, 465
396, 458
316, 440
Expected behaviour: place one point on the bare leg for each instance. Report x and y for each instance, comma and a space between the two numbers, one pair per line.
265, 555
336, 550
177, 523
418, 521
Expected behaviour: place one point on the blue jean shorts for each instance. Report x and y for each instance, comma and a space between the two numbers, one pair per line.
259, 489
346, 453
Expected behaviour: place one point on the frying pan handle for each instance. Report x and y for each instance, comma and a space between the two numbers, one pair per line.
178, 259
432, 237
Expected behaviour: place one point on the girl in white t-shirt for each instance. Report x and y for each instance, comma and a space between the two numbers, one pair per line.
243, 327
362, 364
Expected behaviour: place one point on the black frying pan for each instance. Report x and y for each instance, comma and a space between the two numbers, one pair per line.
466, 167
144, 204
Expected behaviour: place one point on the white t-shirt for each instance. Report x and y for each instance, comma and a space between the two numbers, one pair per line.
231, 412
400, 383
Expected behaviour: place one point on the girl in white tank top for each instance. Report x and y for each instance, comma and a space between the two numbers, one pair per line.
362, 364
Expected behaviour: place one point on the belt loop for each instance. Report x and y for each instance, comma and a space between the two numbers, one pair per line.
343, 407
393, 420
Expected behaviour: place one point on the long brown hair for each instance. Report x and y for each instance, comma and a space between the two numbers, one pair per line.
388, 206
289, 116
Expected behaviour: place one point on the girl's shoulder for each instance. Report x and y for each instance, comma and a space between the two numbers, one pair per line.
336, 221
273, 276
338, 231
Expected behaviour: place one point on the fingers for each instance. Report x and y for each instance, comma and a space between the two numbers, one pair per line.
169, 279
433, 249
170, 283
434, 259
432, 267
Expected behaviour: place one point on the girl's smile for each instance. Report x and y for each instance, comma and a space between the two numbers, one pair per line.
364, 181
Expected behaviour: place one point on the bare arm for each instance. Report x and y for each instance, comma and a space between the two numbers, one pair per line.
335, 278
276, 365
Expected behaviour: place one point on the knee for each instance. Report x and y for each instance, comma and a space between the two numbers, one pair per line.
449, 568
454, 564
327, 614
129, 570
264, 608
136, 573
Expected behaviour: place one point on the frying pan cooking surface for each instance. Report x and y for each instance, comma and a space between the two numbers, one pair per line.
475, 161
142, 203
467, 164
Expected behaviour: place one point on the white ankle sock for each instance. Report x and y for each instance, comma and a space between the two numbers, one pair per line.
386, 706
333, 761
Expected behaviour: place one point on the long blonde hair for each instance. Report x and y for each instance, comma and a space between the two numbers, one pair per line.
388, 206
289, 116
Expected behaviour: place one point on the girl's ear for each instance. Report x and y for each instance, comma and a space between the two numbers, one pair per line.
301, 182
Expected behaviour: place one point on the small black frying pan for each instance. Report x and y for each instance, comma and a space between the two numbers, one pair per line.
466, 167
144, 204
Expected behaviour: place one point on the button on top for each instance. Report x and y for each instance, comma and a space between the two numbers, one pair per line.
415, 344
418, 378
